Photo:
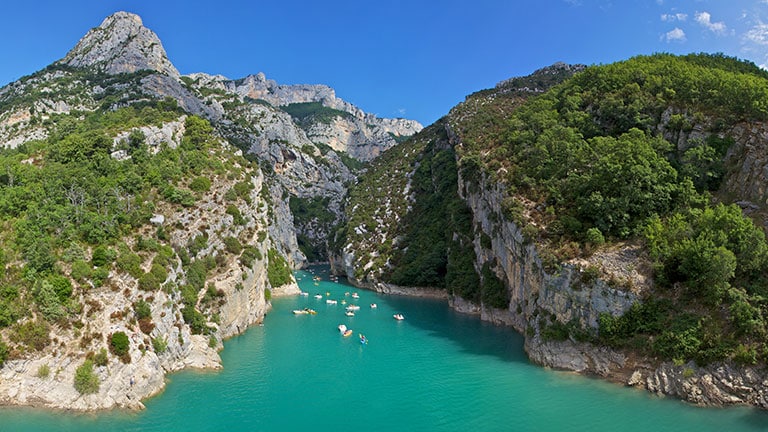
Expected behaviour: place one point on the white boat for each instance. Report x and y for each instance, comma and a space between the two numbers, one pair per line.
398, 317
353, 307
342, 328
355, 295
305, 311
331, 302
303, 293
374, 305
318, 296
349, 313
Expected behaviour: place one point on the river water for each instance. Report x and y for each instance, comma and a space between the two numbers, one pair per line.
436, 370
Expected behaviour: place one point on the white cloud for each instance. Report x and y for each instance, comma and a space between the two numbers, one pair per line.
401, 112
675, 17
677, 35
705, 19
757, 34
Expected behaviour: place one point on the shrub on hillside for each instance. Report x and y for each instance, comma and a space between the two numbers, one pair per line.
119, 345
86, 380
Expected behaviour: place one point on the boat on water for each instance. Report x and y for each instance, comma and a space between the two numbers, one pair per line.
352, 308
347, 333
374, 305
355, 295
318, 296
305, 311
331, 302
304, 294
342, 328
363, 339
349, 313
398, 317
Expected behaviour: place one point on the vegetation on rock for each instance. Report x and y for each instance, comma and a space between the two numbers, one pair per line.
86, 380
632, 151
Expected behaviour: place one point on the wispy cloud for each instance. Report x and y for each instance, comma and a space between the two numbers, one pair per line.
573, 2
757, 34
675, 35
401, 112
705, 19
674, 17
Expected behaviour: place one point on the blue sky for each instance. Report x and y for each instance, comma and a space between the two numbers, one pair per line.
395, 58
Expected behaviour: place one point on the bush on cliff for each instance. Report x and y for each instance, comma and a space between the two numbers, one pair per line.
86, 380
119, 345
278, 271
3, 352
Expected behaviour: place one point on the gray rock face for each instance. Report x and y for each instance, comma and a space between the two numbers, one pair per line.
121, 44
750, 154
362, 135
718, 384
533, 290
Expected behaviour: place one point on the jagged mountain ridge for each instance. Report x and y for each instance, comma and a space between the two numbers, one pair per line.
121, 63
122, 45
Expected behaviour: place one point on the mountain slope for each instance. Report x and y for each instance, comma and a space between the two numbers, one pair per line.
603, 223
146, 216
121, 44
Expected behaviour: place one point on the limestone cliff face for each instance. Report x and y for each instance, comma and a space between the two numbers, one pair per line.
537, 295
122, 62
362, 135
750, 179
121, 44
240, 303
116, 65
541, 296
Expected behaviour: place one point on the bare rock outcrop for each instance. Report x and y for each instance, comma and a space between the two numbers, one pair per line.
121, 44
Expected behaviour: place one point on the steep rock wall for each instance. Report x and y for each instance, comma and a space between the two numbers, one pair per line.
561, 295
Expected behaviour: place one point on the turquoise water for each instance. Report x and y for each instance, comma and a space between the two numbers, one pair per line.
434, 371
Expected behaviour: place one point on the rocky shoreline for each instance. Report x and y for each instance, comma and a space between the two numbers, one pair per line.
122, 385
716, 385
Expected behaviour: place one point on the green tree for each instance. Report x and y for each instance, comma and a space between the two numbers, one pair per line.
119, 346
86, 380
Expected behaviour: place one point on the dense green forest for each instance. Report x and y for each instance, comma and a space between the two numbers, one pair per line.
595, 152
592, 161
74, 214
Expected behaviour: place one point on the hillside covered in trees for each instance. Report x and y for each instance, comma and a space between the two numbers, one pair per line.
638, 152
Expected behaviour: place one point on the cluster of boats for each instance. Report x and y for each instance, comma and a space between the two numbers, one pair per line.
349, 310
347, 332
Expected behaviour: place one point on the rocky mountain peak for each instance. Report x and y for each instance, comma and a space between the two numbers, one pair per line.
121, 44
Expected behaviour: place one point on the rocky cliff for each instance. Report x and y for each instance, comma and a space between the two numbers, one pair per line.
167, 343
215, 241
121, 44
362, 135
556, 298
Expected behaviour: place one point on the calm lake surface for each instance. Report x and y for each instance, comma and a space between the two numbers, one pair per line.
434, 371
